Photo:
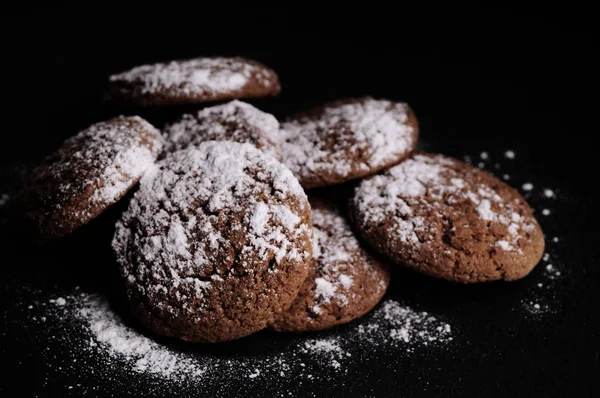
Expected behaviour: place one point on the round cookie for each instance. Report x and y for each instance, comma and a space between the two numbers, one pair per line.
234, 121
89, 172
216, 242
191, 81
345, 283
349, 139
447, 219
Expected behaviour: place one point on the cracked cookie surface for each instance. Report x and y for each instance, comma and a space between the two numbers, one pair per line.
447, 219
234, 121
346, 281
348, 139
87, 173
215, 243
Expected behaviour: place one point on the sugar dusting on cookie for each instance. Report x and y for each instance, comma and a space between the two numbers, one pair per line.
347, 280
205, 75
347, 139
340, 261
399, 189
234, 121
116, 153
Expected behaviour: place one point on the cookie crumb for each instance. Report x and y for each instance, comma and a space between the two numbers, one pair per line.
546, 212
509, 154
548, 193
527, 186
484, 155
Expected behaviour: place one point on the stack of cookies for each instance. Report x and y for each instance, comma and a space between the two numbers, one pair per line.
225, 235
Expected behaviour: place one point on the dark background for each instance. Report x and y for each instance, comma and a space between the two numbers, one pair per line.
478, 79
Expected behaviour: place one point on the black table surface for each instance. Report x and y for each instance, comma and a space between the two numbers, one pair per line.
508, 79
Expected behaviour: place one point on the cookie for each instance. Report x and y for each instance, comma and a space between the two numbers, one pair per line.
447, 219
192, 81
348, 139
346, 281
215, 242
234, 121
89, 172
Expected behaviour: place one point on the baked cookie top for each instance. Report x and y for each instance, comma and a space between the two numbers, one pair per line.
348, 139
346, 281
445, 218
216, 241
234, 121
89, 172
191, 81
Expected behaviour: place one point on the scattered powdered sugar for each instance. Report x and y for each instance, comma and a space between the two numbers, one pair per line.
208, 76
122, 342
393, 324
548, 193
328, 348
4, 197
320, 141
541, 298
527, 186
234, 121
91, 329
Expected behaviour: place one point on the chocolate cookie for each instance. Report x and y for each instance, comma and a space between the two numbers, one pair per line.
447, 219
215, 243
234, 121
348, 139
192, 81
345, 283
89, 172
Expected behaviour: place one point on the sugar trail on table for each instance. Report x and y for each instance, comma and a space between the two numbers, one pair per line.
117, 344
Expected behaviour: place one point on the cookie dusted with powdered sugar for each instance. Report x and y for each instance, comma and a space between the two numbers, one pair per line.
349, 139
89, 172
234, 121
215, 243
191, 81
346, 281
445, 218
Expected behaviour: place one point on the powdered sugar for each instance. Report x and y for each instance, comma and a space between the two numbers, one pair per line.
394, 324
102, 334
234, 121
208, 76
347, 139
